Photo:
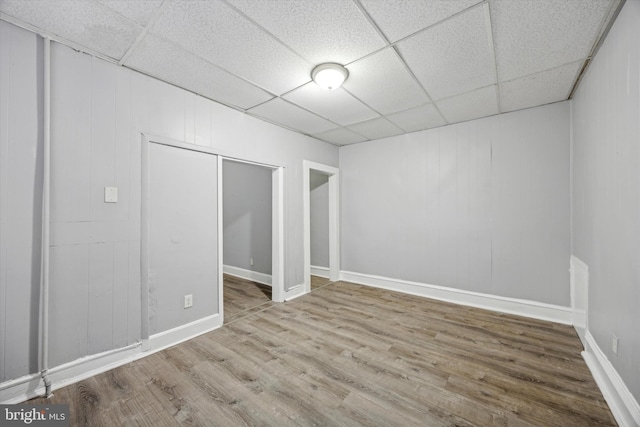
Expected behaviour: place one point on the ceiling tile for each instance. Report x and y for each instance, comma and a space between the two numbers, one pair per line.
336, 105
282, 112
222, 36
539, 89
376, 128
320, 31
472, 105
165, 61
383, 83
419, 118
453, 57
532, 36
89, 24
340, 136
139, 11
400, 18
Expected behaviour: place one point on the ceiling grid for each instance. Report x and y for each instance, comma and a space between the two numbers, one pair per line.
413, 64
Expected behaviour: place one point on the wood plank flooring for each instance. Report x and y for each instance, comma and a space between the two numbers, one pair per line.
350, 355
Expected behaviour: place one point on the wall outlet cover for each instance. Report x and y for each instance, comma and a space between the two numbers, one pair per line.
111, 194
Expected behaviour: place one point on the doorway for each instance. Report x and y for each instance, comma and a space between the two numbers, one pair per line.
251, 244
332, 178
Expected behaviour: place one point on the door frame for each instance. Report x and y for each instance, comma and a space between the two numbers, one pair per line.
277, 227
334, 219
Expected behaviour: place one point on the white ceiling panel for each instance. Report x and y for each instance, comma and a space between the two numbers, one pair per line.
86, 23
165, 61
139, 11
340, 136
539, 89
222, 36
383, 83
413, 64
472, 105
319, 31
532, 36
282, 112
336, 105
419, 118
400, 18
376, 128
453, 57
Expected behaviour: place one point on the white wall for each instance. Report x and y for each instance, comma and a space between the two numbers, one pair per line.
21, 144
98, 113
606, 192
247, 214
319, 219
480, 206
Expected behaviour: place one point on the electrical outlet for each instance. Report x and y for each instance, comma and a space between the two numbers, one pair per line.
188, 301
251, 261
614, 344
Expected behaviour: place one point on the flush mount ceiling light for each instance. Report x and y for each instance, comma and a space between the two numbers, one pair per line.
329, 76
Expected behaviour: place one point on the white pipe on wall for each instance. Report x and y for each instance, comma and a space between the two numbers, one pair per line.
46, 187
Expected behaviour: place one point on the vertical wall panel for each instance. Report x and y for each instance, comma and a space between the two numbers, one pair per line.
472, 209
122, 143
202, 119
120, 295
606, 192
102, 142
20, 199
69, 298
100, 299
70, 135
431, 179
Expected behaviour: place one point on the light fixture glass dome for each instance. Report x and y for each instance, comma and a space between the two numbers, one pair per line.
329, 76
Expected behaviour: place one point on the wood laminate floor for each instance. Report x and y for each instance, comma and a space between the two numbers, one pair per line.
350, 355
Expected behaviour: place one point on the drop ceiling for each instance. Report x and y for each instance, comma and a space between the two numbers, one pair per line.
413, 64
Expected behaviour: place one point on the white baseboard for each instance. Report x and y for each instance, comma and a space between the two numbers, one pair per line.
294, 292
533, 309
30, 386
320, 271
165, 339
254, 276
623, 405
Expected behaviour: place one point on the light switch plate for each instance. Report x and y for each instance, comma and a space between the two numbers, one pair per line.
111, 194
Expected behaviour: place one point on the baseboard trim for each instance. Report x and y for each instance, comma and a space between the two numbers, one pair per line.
294, 292
171, 337
533, 309
623, 405
30, 386
254, 276
320, 271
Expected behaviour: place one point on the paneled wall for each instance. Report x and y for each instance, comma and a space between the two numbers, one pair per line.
99, 112
247, 216
606, 192
21, 144
481, 206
